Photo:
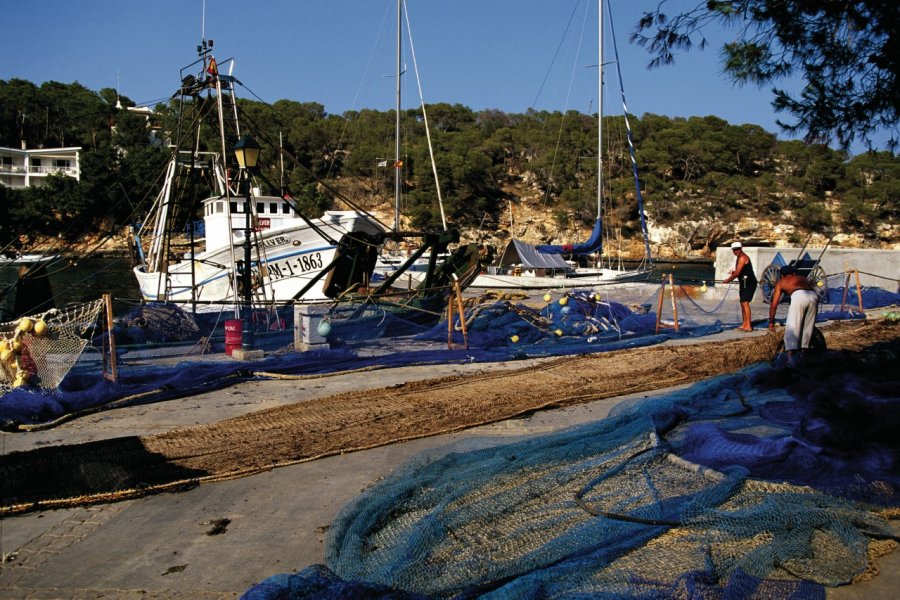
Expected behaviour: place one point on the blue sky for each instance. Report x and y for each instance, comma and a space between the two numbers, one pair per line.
340, 53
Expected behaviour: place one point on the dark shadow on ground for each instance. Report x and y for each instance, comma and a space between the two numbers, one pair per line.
83, 473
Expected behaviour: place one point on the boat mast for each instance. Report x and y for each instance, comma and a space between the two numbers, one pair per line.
648, 255
397, 123
599, 106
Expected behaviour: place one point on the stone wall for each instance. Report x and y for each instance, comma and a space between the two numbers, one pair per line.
877, 268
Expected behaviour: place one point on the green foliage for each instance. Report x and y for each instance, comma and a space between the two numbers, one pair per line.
844, 51
859, 214
311, 200
696, 169
813, 217
562, 218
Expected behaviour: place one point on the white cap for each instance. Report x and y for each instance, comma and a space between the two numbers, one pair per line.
735, 245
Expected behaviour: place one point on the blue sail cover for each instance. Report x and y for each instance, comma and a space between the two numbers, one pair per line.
592, 245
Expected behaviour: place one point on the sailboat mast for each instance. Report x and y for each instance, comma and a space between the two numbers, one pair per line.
634, 167
599, 106
397, 123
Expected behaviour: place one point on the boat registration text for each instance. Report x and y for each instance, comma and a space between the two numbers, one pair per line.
298, 265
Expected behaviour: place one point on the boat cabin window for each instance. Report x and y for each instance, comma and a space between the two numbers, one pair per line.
220, 206
286, 208
273, 208
233, 206
260, 207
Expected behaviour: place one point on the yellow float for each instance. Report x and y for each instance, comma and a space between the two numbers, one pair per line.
25, 325
40, 328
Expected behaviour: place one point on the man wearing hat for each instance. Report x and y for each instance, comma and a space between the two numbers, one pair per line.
801, 319
743, 272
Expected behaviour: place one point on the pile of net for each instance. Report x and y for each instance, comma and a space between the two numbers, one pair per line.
156, 322
157, 329
769, 483
38, 351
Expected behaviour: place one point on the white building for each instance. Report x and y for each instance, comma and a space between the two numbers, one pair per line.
30, 168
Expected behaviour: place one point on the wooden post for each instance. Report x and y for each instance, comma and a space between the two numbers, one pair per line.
462, 314
450, 323
113, 369
662, 296
858, 290
846, 289
674, 306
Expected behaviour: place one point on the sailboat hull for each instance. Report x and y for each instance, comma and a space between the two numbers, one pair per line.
568, 281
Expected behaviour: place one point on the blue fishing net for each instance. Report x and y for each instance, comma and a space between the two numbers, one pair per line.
150, 339
872, 297
578, 322
370, 337
842, 303
743, 486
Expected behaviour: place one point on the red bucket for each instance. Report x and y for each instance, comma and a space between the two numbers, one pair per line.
234, 335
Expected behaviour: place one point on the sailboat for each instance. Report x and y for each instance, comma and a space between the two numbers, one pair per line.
391, 261
413, 264
413, 288
528, 266
290, 251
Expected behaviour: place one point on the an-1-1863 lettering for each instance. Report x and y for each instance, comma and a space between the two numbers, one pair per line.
297, 265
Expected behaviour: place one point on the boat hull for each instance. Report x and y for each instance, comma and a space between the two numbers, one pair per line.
289, 260
568, 281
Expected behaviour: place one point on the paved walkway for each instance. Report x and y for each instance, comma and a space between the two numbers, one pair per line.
216, 540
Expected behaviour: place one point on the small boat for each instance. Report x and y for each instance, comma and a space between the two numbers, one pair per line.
527, 266
524, 266
28, 259
258, 251
25, 284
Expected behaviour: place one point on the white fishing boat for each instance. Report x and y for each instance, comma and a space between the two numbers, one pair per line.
292, 258
528, 266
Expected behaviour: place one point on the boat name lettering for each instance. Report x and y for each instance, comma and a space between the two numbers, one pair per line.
296, 266
275, 241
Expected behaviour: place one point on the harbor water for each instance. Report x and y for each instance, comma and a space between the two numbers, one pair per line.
74, 280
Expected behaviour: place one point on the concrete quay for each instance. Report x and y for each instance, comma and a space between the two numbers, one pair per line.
163, 546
